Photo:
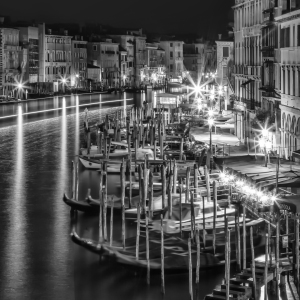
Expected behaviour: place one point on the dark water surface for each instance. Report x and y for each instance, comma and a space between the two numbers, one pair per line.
38, 141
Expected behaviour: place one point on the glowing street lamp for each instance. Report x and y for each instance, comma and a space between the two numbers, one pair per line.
210, 113
20, 87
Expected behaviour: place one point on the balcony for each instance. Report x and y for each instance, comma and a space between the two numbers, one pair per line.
268, 51
250, 104
252, 31
269, 92
268, 15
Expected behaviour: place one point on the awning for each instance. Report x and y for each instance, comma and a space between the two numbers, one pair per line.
246, 82
294, 182
166, 95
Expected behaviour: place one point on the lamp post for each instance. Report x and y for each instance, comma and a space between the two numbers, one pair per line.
220, 92
210, 122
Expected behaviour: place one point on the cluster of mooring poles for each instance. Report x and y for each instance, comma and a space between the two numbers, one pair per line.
171, 193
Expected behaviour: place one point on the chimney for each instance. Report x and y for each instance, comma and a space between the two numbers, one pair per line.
82, 38
220, 36
49, 31
65, 32
1, 20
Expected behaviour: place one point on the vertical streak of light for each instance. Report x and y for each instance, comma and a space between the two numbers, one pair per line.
61, 239
17, 242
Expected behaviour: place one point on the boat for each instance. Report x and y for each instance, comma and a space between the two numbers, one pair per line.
80, 205
95, 164
175, 250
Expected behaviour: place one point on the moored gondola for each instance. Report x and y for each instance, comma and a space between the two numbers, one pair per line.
80, 205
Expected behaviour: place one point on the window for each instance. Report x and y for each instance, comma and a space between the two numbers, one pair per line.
288, 82
95, 47
171, 44
283, 81
171, 68
171, 54
179, 54
224, 72
225, 51
285, 37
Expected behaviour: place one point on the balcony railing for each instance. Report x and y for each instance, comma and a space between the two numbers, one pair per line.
250, 104
268, 94
267, 51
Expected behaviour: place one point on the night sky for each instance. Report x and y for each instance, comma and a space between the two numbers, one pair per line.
205, 17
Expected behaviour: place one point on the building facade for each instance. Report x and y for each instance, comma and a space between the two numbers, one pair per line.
106, 53
55, 59
127, 43
12, 61
247, 65
29, 39
287, 17
79, 62
154, 71
225, 58
140, 58
194, 59
173, 58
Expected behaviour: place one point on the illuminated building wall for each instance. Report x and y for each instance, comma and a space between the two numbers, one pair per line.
57, 56
248, 16
11, 60
174, 57
106, 53
29, 39
287, 16
79, 62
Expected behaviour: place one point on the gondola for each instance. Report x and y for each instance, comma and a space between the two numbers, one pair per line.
175, 251
80, 205
95, 164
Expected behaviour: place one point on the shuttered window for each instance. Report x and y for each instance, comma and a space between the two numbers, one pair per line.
287, 37
282, 31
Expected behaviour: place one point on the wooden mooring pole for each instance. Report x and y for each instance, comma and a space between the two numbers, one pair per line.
111, 230
190, 270
162, 253
123, 202
215, 214
137, 245
253, 263
147, 251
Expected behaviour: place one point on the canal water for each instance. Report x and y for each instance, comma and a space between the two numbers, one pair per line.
38, 260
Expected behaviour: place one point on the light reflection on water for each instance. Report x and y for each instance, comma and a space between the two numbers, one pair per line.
16, 243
